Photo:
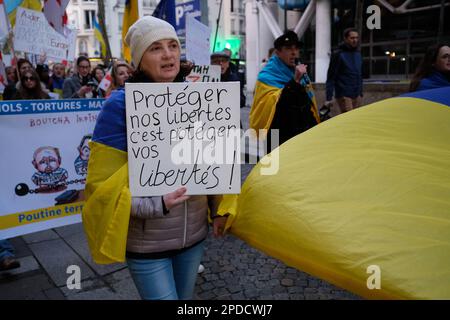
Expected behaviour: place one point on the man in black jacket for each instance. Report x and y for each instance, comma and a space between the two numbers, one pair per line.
222, 59
284, 100
345, 73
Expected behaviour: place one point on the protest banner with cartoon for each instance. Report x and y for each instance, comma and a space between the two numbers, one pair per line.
44, 164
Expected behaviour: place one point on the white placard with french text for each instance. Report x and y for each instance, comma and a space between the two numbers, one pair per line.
33, 34
183, 134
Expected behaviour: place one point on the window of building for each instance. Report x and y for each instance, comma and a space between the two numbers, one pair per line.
232, 26
149, 3
394, 51
120, 21
89, 18
73, 20
241, 8
241, 26
379, 66
82, 47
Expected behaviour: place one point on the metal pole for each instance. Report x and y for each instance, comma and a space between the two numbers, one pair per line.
358, 17
217, 25
323, 40
441, 21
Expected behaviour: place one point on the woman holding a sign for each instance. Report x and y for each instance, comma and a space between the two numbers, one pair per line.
161, 238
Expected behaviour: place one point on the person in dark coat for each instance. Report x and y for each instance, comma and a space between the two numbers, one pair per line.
345, 74
222, 59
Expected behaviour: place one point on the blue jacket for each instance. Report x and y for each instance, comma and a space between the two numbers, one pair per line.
345, 73
435, 80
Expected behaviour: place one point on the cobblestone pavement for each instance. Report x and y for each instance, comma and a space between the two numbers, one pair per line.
235, 271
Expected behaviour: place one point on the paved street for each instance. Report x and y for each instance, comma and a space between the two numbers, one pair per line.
233, 270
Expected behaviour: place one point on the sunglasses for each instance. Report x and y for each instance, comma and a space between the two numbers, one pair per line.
29, 78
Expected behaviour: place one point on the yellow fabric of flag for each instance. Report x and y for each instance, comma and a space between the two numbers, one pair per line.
361, 201
130, 16
27, 4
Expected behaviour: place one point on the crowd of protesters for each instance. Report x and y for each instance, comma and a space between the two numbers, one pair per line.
284, 100
57, 81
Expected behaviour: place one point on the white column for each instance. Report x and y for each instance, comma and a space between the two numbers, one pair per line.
323, 39
251, 43
266, 37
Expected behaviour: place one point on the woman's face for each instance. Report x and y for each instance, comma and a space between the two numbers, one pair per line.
443, 60
25, 67
84, 68
161, 61
99, 74
29, 80
11, 74
122, 75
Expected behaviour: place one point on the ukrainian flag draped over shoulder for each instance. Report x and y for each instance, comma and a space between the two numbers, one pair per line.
130, 16
271, 81
106, 213
12, 5
359, 200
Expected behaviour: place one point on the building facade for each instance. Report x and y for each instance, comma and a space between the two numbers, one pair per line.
231, 26
391, 51
81, 15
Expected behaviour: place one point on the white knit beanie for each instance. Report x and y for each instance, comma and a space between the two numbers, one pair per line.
144, 32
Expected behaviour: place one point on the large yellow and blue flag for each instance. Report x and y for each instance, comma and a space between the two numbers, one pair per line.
99, 35
106, 212
361, 200
130, 16
12, 5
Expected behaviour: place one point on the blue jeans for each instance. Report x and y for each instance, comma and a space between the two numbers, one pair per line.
6, 249
169, 278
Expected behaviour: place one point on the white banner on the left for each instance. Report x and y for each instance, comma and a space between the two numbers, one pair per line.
33, 34
44, 162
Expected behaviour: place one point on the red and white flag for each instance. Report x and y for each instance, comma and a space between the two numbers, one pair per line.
3, 80
55, 12
106, 81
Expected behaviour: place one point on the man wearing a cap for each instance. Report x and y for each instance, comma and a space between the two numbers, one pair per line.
284, 98
222, 59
